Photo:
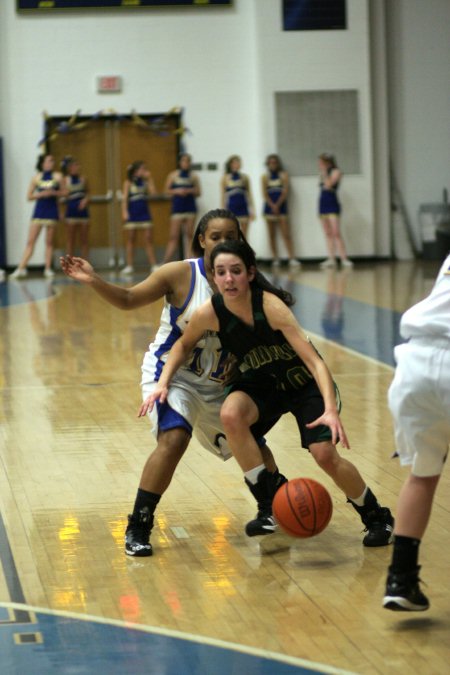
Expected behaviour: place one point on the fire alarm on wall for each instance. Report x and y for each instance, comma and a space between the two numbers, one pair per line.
109, 84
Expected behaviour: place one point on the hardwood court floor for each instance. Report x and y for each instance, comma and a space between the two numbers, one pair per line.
72, 450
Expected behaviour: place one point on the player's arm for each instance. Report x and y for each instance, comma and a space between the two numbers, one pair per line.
165, 281
222, 191
203, 319
125, 194
32, 194
151, 184
285, 189
195, 190
281, 318
330, 180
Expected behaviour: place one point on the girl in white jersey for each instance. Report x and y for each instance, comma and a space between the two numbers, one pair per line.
419, 399
196, 395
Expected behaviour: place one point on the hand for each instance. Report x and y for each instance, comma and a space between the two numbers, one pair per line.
77, 268
333, 422
159, 394
275, 209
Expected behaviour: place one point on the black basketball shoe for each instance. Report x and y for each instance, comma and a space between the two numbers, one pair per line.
264, 492
137, 535
403, 592
379, 527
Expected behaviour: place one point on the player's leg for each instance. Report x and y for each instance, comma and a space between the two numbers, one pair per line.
49, 239
70, 238
239, 412
84, 240
378, 520
329, 241
155, 479
148, 241
174, 238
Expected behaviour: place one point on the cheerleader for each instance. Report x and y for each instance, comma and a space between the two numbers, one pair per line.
77, 199
136, 215
330, 210
275, 186
46, 187
183, 187
236, 194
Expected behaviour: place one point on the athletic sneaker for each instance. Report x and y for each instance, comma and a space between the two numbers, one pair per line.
264, 492
327, 264
294, 264
19, 273
346, 262
137, 535
403, 593
129, 269
49, 273
379, 527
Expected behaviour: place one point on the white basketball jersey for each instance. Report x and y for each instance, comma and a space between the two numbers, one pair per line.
203, 371
430, 317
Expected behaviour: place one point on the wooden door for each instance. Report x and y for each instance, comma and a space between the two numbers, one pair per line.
105, 146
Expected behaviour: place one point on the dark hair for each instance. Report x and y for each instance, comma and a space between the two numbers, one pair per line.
203, 226
329, 159
132, 168
277, 157
41, 159
180, 157
66, 162
244, 251
229, 162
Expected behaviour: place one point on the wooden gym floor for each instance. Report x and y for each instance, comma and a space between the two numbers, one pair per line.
210, 600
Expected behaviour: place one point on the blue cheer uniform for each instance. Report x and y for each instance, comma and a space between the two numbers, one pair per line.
45, 212
236, 194
183, 206
328, 199
139, 216
76, 186
274, 189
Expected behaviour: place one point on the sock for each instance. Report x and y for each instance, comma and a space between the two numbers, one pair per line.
359, 501
405, 554
252, 475
145, 499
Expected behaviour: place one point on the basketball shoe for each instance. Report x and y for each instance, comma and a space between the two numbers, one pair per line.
379, 527
137, 535
403, 593
264, 491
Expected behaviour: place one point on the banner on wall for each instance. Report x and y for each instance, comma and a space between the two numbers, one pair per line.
314, 15
42, 5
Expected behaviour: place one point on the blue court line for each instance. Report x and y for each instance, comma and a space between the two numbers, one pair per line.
58, 643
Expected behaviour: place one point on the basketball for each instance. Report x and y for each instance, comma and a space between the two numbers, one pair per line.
302, 507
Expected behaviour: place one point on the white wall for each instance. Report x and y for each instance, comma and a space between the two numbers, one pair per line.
222, 65
418, 35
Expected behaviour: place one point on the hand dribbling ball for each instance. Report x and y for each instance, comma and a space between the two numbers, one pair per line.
302, 507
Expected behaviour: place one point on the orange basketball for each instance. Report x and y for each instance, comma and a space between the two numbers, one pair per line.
302, 507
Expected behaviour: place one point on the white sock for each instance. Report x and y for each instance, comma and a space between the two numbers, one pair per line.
359, 501
252, 475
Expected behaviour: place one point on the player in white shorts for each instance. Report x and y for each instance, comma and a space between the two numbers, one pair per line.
419, 399
197, 394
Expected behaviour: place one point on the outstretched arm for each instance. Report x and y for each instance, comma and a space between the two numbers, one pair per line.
164, 282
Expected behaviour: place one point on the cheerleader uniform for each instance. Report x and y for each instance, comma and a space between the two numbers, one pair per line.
139, 216
275, 188
77, 192
46, 209
183, 206
328, 200
236, 194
